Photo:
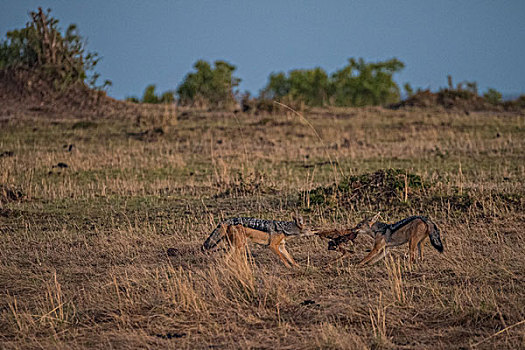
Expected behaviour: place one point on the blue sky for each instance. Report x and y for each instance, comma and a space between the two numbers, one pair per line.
158, 41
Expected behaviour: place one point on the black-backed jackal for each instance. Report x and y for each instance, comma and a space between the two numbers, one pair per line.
270, 233
412, 230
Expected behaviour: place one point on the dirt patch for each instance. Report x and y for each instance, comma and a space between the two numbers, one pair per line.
24, 93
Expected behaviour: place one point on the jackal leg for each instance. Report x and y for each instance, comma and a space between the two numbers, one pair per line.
420, 249
412, 249
282, 249
237, 238
275, 242
381, 255
416, 241
373, 256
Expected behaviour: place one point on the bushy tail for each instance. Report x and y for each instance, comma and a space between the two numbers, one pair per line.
433, 234
214, 238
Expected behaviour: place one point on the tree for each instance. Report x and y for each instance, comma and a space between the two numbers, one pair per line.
278, 86
310, 86
212, 86
167, 97
43, 49
409, 91
357, 84
133, 99
360, 83
493, 96
149, 95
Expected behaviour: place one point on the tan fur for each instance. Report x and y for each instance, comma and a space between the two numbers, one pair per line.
414, 233
239, 235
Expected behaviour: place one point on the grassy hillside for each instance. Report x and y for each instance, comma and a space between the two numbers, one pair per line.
83, 248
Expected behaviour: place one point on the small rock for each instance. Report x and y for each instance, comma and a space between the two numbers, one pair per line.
171, 335
172, 252
61, 165
7, 154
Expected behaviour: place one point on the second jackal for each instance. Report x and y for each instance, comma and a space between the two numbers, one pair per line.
412, 230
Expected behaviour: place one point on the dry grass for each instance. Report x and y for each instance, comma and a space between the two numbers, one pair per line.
83, 258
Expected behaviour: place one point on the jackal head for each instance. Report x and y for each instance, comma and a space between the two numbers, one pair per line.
299, 221
365, 226
300, 228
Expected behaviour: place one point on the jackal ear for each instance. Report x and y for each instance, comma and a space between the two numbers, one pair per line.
299, 221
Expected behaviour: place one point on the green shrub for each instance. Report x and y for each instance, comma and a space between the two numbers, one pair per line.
150, 96
42, 48
133, 99
409, 91
357, 84
309, 86
167, 97
520, 101
381, 187
466, 90
278, 86
209, 86
447, 94
361, 84
493, 96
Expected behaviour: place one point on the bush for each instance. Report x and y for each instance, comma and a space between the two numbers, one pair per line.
520, 101
309, 86
278, 86
466, 90
493, 96
150, 96
209, 86
409, 91
259, 105
361, 83
133, 99
357, 84
167, 97
43, 49
380, 188
455, 94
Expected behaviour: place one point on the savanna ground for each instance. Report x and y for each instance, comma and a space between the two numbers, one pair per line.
83, 249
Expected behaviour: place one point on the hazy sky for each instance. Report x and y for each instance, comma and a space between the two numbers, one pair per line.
144, 42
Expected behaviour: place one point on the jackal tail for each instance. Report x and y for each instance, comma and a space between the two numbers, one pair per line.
434, 236
214, 238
